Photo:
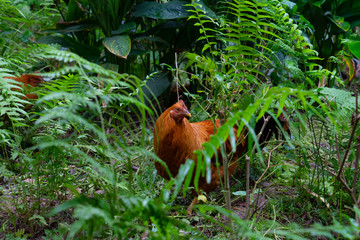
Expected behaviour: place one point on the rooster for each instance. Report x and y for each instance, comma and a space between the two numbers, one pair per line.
176, 139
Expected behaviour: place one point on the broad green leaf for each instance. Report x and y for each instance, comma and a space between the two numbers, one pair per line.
119, 45
340, 22
350, 67
171, 10
53, 40
91, 53
319, 3
354, 47
156, 85
123, 28
76, 26
74, 12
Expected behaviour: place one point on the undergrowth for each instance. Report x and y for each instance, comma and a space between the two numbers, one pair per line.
78, 163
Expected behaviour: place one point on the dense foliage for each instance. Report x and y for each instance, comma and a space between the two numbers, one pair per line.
77, 160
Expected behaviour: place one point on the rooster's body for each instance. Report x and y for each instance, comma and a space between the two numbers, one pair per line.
176, 139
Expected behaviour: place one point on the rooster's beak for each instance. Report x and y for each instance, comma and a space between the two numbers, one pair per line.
187, 115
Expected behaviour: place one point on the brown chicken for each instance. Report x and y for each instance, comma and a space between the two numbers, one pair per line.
176, 139
28, 82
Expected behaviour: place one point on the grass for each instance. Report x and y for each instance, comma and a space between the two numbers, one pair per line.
82, 166
40, 179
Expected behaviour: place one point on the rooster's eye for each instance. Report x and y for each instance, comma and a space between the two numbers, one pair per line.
177, 109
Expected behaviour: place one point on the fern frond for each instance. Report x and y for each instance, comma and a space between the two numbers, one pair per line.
12, 103
343, 99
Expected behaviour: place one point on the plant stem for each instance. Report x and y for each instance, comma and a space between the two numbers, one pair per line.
247, 159
247, 201
226, 180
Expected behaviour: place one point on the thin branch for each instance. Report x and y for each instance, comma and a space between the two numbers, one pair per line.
349, 143
260, 133
62, 16
247, 159
356, 170
356, 120
262, 175
267, 167
345, 185
261, 207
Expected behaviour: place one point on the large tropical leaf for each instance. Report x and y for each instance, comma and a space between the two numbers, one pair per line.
354, 47
156, 85
171, 10
119, 45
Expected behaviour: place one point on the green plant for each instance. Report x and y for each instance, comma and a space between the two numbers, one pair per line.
79, 163
323, 19
20, 24
244, 61
73, 107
